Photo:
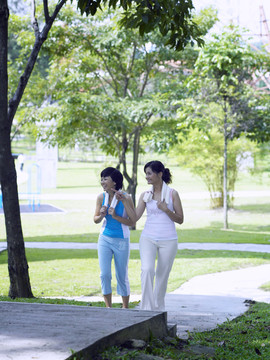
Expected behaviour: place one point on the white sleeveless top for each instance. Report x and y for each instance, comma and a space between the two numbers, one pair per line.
158, 225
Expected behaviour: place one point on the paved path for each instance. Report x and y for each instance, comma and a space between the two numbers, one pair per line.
135, 246
184, 195
52, 332
205, 301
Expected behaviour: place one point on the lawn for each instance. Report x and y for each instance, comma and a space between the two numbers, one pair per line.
76, 272
70, 273
249, 220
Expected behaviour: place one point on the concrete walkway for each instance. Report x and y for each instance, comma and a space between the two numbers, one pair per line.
208, 300
184, 195
54, 332
135, 246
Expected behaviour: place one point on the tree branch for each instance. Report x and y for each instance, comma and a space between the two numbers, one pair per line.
129, 69
115, 87
140, 127
149, 68
46, 11
16, 98
34, 20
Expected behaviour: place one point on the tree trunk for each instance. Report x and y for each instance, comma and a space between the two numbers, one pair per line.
133, 185
136, 146
225, 195
17, 263
132, 180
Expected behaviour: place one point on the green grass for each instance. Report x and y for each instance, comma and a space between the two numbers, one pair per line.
71, 273
244, 338
249, 220
249, 223
63, 301
200, 235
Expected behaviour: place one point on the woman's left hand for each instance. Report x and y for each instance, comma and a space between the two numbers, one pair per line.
162, 205
111, 211
120, 195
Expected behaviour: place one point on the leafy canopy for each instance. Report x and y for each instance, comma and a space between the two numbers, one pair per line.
224, 73
171, 17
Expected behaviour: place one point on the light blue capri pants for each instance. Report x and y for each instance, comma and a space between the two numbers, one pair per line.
119, 249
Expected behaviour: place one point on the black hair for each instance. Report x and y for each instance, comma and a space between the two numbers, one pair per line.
116, 176
157, 166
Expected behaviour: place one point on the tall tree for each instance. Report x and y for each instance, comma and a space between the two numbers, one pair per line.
223, 74
127, 96
203, 154
172, 17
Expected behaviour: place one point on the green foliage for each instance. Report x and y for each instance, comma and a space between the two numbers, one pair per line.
116, 83
169, 16
222, 97
114, 87
21, 39
203, 153
223, 74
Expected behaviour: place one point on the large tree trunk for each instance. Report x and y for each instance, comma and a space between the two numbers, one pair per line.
133, 179
17, 263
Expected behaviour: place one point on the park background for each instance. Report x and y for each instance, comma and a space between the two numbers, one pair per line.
59, 273
73, 273
75, 175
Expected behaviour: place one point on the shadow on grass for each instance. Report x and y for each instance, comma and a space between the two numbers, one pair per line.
254, 208
213, 234
247, 232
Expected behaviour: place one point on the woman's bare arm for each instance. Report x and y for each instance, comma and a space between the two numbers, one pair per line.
100, 211
140, 207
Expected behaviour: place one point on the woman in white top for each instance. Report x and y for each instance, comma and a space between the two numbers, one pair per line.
159, 236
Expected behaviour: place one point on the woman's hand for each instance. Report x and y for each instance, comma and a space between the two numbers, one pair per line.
100, 211
103, 210
111, 212
120, 195
129, 207
162, 205
177, 214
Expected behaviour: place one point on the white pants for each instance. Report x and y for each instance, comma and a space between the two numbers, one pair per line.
166, 251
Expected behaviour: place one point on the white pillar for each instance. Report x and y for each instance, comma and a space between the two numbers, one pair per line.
47, 158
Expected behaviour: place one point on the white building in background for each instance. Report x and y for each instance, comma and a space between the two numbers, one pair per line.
245, 13
47, 158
